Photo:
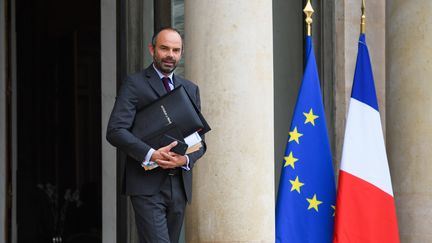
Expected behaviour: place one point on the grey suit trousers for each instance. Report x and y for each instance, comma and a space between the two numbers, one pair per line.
159, 217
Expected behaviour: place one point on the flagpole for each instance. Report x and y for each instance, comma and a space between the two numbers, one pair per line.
363, 18
308, 10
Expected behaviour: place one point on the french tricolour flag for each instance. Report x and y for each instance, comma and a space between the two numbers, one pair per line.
365, 209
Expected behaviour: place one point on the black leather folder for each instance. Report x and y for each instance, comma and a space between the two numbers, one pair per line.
165, 136
173, 111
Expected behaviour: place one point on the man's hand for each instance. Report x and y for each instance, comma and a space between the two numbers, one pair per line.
166, 159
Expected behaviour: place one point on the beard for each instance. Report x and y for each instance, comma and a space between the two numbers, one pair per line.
165, 65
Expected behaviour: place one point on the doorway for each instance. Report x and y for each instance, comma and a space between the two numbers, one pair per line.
58, 111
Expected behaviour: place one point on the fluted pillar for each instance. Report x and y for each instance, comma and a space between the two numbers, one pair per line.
229, 54
409, 119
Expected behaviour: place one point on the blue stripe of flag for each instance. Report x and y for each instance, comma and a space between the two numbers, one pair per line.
363, 87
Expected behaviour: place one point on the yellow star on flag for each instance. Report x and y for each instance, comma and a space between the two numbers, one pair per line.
290, 160
313, 202
294, 136
296, 184
334, 208
310, 117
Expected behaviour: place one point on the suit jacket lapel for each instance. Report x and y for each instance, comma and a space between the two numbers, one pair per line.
177, 81
154, 81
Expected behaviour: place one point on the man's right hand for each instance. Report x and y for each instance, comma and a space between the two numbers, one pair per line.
158, 154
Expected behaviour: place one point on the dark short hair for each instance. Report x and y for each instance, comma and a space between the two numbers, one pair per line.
162, 29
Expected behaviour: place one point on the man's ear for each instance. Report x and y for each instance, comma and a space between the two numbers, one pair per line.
151, 49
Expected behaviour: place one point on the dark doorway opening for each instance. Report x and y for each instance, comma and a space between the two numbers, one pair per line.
59, 121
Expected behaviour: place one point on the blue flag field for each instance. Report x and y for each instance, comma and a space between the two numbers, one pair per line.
306, 197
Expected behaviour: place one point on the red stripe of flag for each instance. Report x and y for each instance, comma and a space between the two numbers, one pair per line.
365, 213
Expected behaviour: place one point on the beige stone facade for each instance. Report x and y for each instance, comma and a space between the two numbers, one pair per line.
409, 100
230, 53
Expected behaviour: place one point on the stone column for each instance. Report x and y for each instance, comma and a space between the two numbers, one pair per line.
409, 119
229, 54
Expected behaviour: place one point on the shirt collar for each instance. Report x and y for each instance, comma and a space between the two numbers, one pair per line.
161, 75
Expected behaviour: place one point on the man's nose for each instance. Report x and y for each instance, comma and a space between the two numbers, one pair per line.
170, 53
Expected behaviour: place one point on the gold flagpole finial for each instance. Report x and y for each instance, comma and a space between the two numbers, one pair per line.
308, 10
363, 18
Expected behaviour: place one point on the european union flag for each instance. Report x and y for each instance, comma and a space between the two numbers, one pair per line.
306, 197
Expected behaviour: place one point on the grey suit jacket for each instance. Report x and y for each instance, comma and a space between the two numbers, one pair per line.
137, 91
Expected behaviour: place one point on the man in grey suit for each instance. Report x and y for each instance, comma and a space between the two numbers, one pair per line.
159, 195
